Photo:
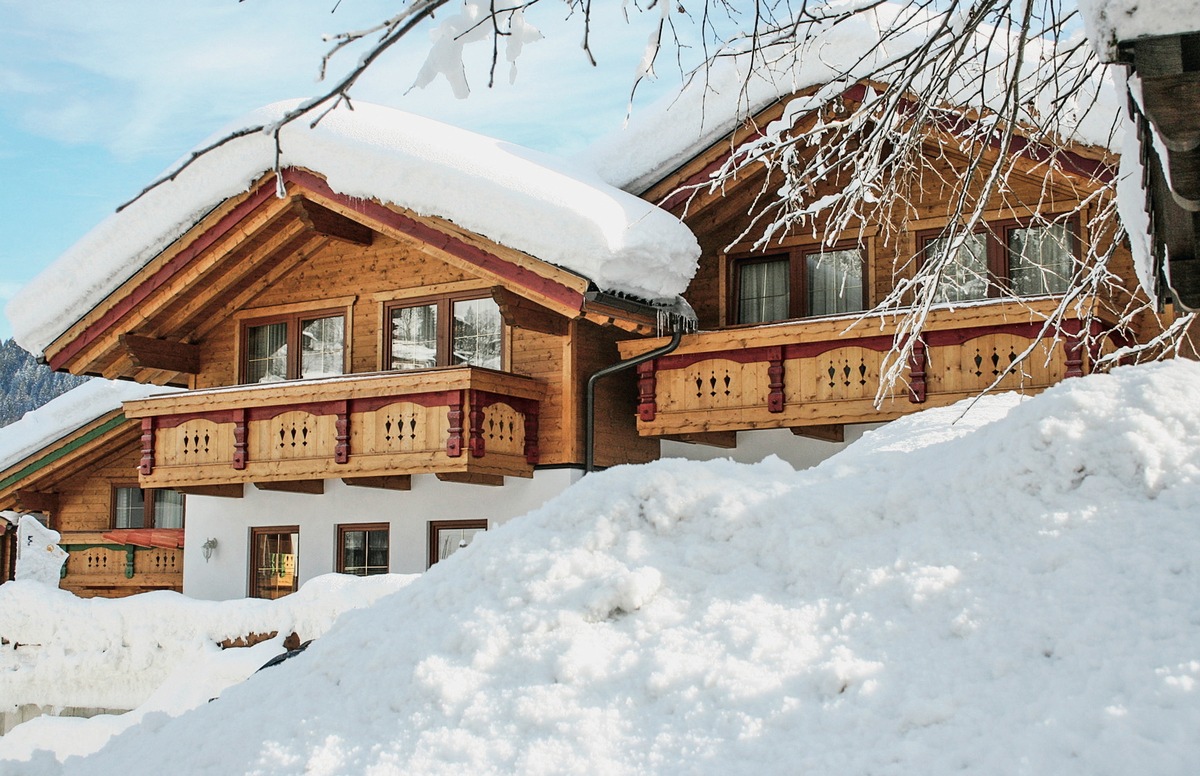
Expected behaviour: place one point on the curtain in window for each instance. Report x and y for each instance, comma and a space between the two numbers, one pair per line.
964, 277
322, 347
834, 282
476, 335
1040, 259
414, 337
168, 509
764, 292
130, 509
365, 552
267, 348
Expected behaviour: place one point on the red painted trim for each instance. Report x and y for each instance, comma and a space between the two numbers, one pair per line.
647, 388
146, 465
452, 245
775, 376
916, 367
427, 399
341, 448
963, 336
475, 442
164, 274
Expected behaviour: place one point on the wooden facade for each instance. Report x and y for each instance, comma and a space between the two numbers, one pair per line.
815, 373
71, 484
258, 260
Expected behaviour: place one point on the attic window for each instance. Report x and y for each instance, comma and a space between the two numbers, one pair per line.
444, 331
302, 345
1007, 257
801, 282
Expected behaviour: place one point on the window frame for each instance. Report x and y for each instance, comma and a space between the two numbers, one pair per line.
252, 565
796, 257
445, 315
998, 256
435, 526
340, 548
293, 319
148, 516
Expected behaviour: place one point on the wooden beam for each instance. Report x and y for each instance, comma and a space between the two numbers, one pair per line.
387, 482
723, 439
835, 432
314, 487
471, 479
524, 314
236, 490
37, 501
327, 223
167, 355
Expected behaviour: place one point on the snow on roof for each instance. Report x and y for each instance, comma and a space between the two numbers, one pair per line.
892, 610
1111, 21
523, 199
64, 414
668, 133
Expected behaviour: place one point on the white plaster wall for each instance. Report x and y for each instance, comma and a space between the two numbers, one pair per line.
229, 521
753, 446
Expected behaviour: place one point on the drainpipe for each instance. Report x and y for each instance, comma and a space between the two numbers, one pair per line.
589, 465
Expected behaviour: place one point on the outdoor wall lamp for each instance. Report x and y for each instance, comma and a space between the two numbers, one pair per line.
207, 548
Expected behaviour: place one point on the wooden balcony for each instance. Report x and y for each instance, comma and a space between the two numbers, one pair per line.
826, 372
461, 422
98, 566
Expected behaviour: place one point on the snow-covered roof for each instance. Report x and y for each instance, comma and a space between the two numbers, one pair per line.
546, 207
64, 414
1111, 21
677, 127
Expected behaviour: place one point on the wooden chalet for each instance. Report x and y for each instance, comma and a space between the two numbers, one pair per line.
350, 357
785, 339
83, 483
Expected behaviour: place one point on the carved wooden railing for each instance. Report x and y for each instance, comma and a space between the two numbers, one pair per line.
97, 564
827, 371
465, 420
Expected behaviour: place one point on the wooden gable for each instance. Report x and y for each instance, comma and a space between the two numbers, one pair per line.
150, 328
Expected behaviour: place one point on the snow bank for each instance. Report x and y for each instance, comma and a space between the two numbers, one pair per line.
1111, 21
60, 650
66, 413
1014, 594
512, 195
39, 558
677, 127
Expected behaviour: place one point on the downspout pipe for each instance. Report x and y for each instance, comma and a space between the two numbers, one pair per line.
589, 443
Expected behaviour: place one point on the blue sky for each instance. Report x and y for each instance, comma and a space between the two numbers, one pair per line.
95, 103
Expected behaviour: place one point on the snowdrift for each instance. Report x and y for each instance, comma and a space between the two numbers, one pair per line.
1014, 593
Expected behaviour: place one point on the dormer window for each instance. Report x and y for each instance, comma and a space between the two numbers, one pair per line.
799, 283
1022, 259
444, 331
302, 345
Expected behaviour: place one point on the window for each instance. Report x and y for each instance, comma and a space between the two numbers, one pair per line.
448, 536
1028, 260
133, 507
363, 549
310, 344
273, 568
802, 282
446, 331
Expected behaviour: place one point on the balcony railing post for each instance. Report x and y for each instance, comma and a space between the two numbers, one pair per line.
647, 386
475, 444
775, 376
239, 439
146, 466
454, 437
1073, 348
341, 450
917, 363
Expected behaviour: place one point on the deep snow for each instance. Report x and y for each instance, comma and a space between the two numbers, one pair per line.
1015, 593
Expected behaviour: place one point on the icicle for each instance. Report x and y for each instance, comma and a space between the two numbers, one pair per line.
676, 316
